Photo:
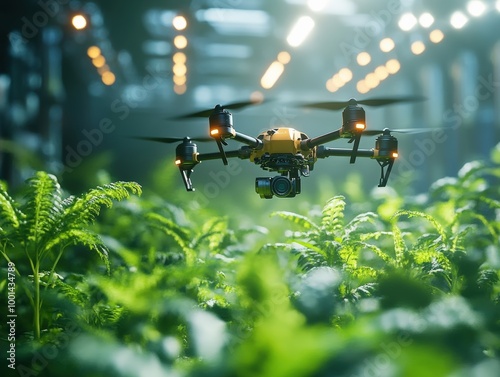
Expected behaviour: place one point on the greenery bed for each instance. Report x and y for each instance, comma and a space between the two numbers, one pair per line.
409, 286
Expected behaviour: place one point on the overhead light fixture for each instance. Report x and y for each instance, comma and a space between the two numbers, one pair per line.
345, 75
426, 20
417, 47
386, 45
179, 23
79, 21
272, 74
458, 20
180, 42
476, 8
393, 66
407, 21
436, 36
317, 5
300, 31
363, 58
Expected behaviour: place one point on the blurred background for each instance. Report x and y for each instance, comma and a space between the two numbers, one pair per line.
79, 78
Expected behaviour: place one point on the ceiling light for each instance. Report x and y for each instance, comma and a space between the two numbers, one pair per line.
381, 72
345, 75
272, 74
93, 52
180, 42
300, 31
407, 21
417, 47
330, 86
179, 23
337, 81
372, 80
362, 87
386, 44
108, 78
79, 22
458, 20
426, 20
284, 57
363, 58
392, 66
317, 5
476, 8
179, 58
436, 36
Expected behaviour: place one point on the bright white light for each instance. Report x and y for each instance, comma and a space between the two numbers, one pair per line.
458, 20
317, 5
300, 31
407, 21
272, 74
386, 44
497, 5
476, 8
426, 20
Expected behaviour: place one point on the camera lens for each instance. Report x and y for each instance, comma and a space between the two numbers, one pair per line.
281, 186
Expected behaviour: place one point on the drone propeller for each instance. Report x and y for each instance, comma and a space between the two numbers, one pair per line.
339, 105
169, 140
402, 131
229, 106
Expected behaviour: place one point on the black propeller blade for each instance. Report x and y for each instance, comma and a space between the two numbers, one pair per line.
169, 140
403, 131
229, 106
339, 105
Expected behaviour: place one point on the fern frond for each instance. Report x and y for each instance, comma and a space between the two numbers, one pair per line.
84, 209
9, 214
43, 207
333, 214
180, 236
352, 227
303, 221
425, 216
400, 248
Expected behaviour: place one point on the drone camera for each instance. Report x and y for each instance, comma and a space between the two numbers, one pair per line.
281, 186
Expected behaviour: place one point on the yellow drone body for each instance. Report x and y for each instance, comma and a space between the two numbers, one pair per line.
282, 141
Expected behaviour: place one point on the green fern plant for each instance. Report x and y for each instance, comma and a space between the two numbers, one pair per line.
36, 231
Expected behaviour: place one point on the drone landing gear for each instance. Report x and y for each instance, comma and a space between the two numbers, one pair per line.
384, 175
186, 178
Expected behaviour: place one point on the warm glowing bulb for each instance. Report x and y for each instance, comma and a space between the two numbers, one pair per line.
381, 72
407, 21
363, 58
180, 89
386, 44
417, 47
179, 58
93, 52
360, 126
180, 42
458, 20
362, 87
214, 132
99, 61
395, 154
284, 57
178, 162
436, 36
179, 22
108, 78
345, 75
392, 66
426, 20
79, 22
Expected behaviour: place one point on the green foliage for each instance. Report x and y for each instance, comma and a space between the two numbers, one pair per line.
343, 292
38, 230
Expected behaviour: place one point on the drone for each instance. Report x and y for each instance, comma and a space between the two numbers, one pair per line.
287, 151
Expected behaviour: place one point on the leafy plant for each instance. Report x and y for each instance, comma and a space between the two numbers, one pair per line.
38, 230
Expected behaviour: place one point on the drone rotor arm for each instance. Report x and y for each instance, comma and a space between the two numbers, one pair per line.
324, 152
322, 139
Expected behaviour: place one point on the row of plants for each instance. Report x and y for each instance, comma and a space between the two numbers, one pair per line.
112, 283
